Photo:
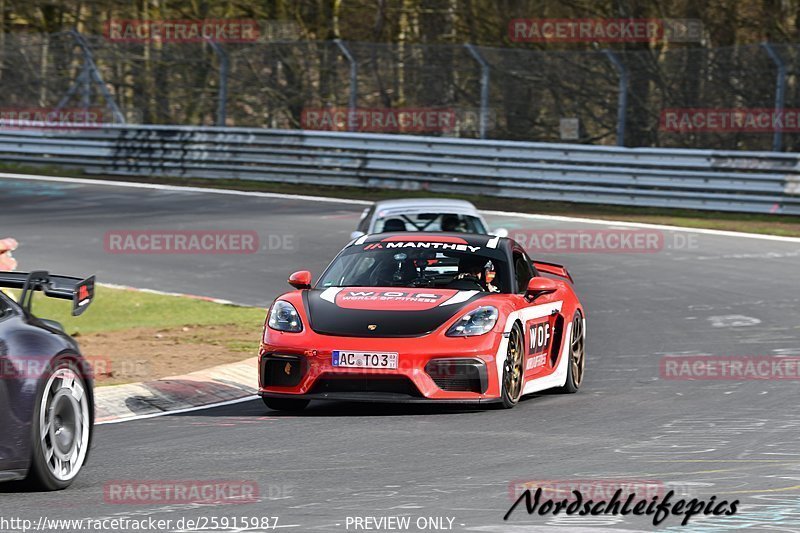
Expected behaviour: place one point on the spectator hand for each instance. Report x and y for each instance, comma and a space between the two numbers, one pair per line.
6, 247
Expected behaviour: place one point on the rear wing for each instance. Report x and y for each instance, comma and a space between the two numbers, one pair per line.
552, 268
80, 291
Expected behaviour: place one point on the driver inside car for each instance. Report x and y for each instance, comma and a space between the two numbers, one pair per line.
474, 273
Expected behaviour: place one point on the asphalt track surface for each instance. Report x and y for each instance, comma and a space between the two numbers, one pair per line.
700, 295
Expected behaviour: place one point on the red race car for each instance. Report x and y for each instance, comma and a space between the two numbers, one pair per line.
424, 317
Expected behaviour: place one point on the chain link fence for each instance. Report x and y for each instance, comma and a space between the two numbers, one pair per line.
626, 97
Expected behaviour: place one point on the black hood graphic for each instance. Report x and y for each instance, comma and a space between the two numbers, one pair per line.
383, 312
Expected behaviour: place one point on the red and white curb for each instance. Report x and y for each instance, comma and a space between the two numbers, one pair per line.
211, 387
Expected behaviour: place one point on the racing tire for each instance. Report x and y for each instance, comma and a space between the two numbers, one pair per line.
513, 369
576, 366
61, 428
284, 404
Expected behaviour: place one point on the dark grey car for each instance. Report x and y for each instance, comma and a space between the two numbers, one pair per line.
46, 387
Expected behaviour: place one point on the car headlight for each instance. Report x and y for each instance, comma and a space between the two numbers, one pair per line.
476, 322
284, 317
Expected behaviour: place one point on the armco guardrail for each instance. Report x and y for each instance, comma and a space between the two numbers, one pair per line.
763, 182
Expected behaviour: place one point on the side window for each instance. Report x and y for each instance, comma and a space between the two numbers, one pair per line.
523, 271
475, 225
363, 226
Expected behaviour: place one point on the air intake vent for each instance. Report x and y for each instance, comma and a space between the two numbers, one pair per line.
458, 375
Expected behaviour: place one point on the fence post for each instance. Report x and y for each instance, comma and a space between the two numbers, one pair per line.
622, 98
780, 94
90, 73
484, 87
86, 91
352, 101
224, 65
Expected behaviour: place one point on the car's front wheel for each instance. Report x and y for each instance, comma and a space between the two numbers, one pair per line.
513, 369
284, 404
62, 427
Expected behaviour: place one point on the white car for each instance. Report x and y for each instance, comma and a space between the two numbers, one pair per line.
423, 214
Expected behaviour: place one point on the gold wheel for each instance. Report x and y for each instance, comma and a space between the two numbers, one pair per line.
513, 368
578, 359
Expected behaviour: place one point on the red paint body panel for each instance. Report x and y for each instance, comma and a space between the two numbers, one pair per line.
411, 321
416, 352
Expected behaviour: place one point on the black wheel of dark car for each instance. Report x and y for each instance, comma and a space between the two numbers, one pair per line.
61, 427
284, 404
513, 369
576, 366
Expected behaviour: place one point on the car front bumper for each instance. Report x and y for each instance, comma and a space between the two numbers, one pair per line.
450, 369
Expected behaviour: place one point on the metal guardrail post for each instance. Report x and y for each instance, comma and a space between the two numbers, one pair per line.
353, 98
622, 98
224, 67
484, 87
78, 82
780, 93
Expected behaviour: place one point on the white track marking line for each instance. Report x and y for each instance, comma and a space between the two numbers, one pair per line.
208, 190
722, 233
161, 187
177, 411
178, 294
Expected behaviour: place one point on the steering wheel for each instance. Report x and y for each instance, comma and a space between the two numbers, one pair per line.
380, 278
467, 280
422, 282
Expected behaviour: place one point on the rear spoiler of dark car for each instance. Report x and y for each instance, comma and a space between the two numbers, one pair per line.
80, 291
552, 268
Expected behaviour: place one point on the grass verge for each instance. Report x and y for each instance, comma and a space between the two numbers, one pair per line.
137, 336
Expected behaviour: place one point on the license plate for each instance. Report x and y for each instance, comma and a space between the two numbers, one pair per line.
364, 359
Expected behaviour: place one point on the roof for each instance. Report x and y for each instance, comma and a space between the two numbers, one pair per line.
419, 205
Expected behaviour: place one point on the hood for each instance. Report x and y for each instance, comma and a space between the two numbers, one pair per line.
383, 311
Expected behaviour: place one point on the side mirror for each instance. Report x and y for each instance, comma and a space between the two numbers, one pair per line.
499, 232
356, 234
539, 286
300, 279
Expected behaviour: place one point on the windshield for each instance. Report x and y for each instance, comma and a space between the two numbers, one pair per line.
429, 222
411, 267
